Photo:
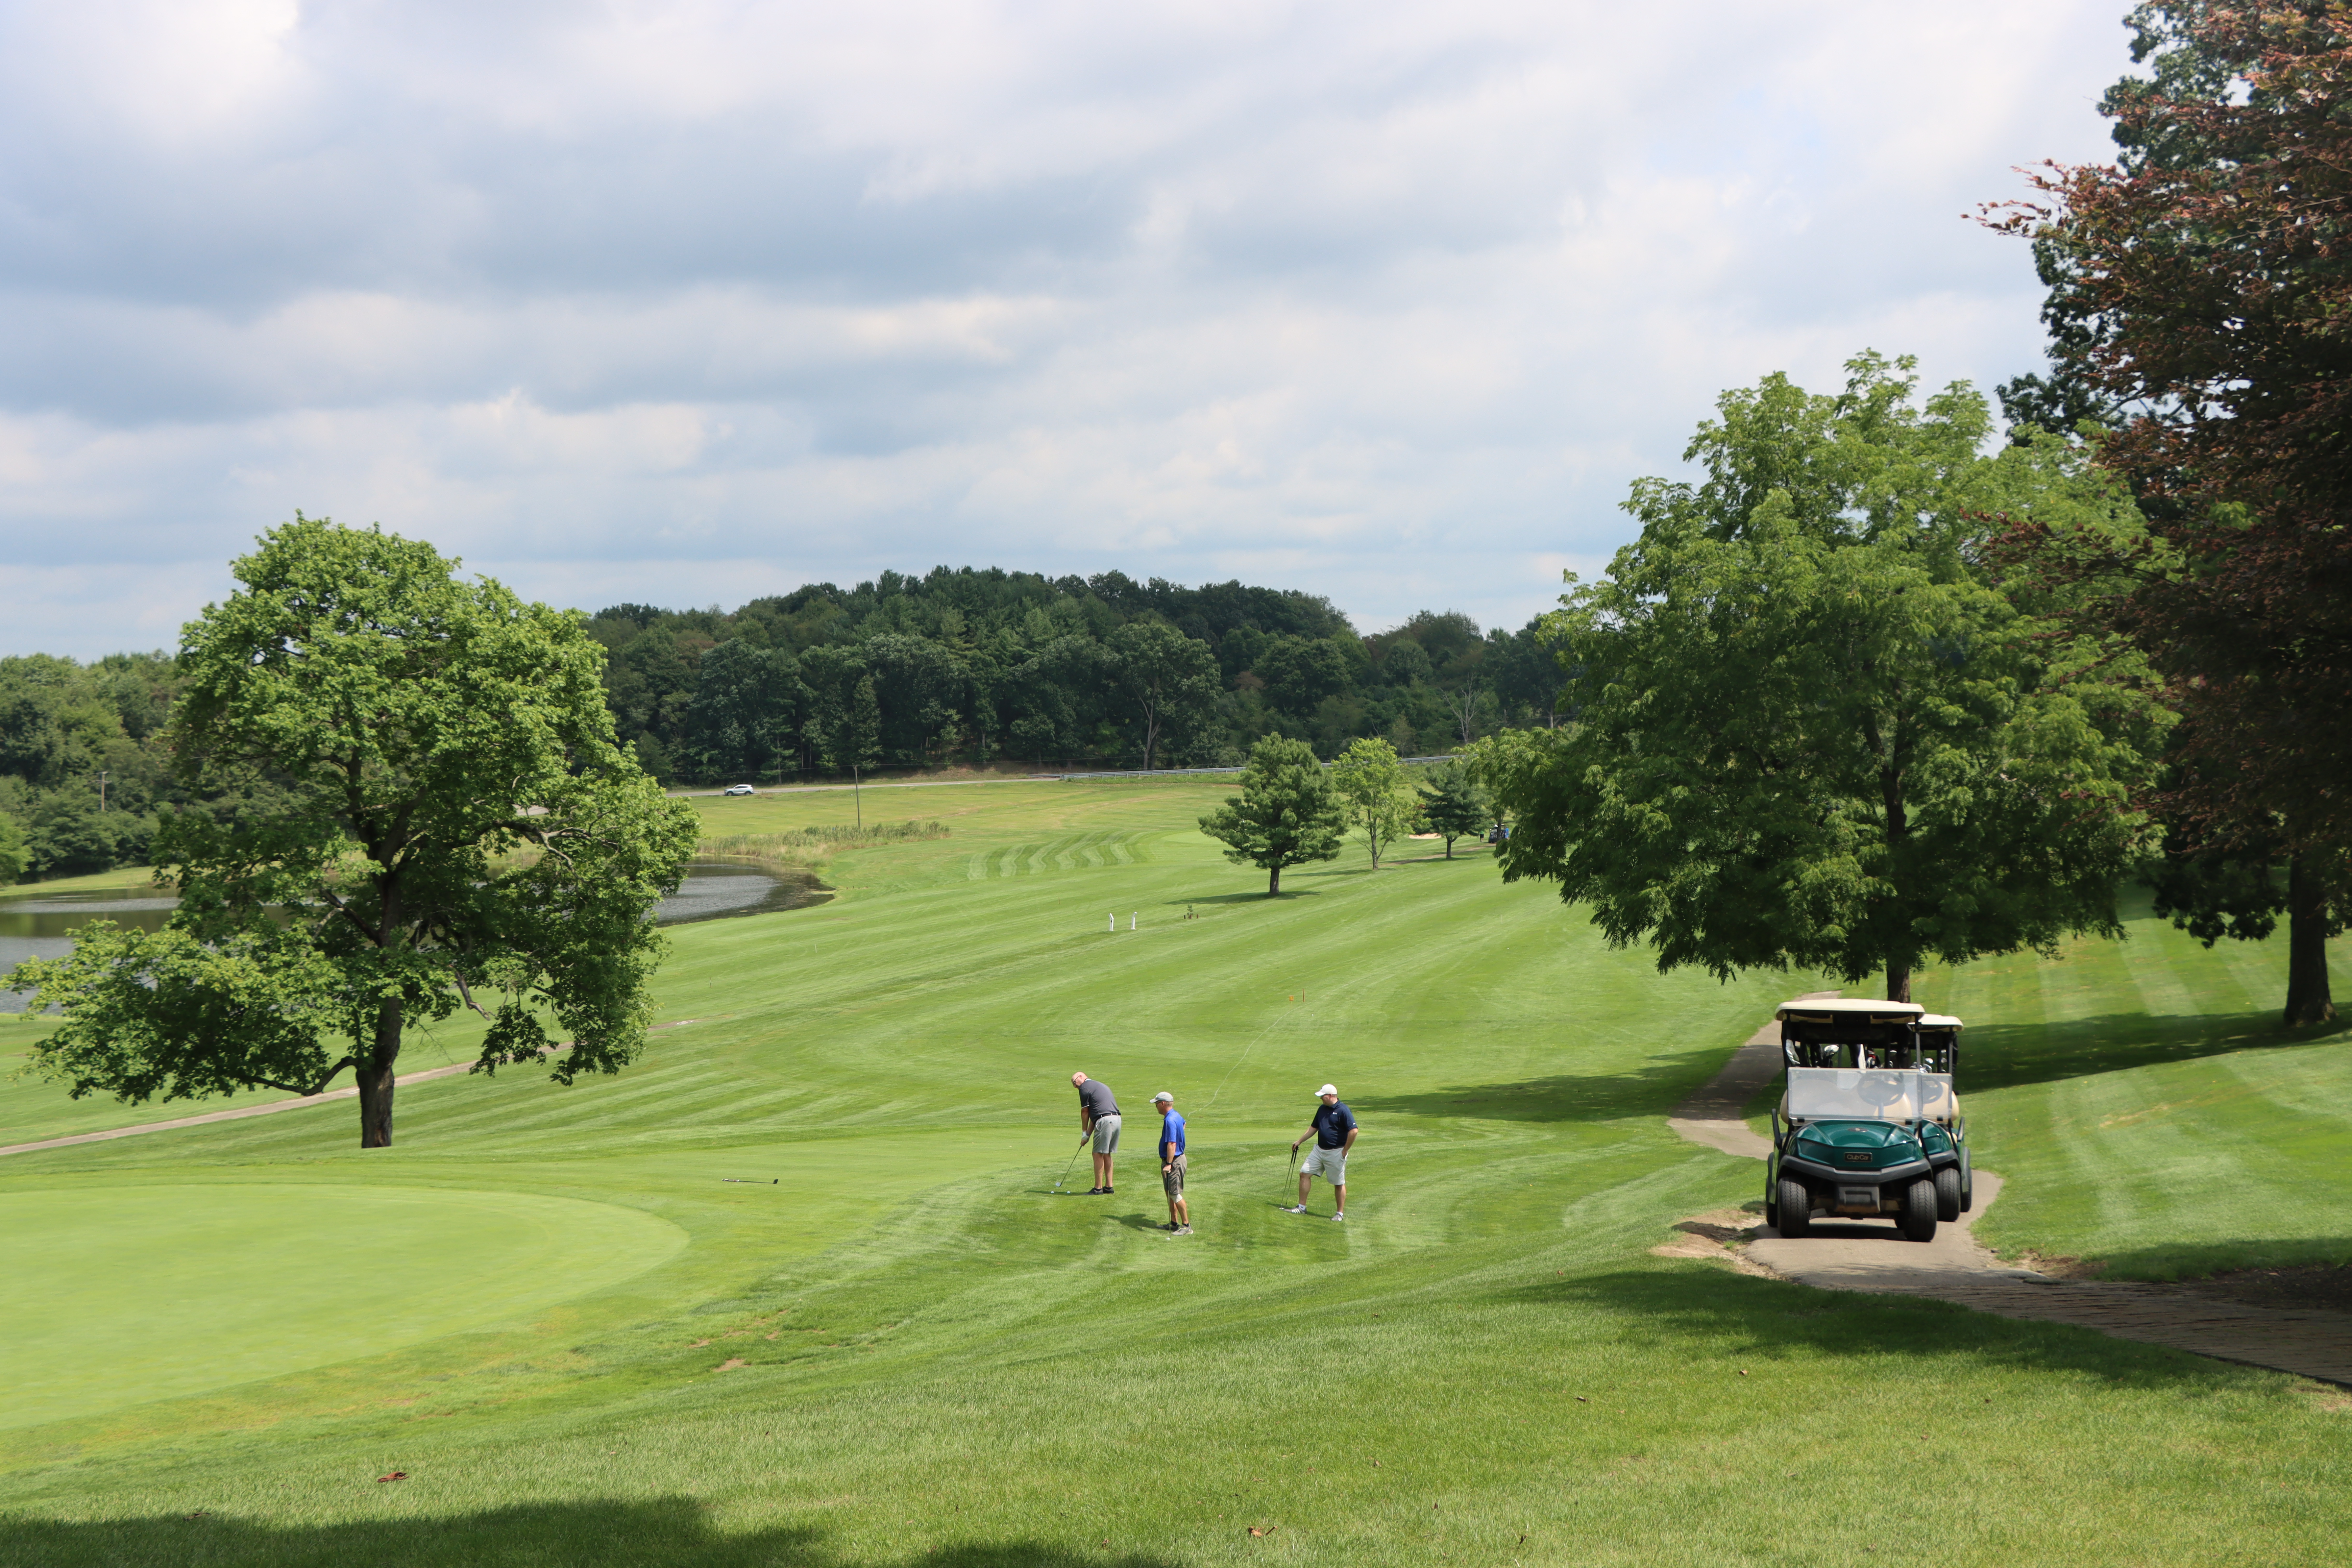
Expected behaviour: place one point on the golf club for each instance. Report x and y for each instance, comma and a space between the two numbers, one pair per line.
1066, 1169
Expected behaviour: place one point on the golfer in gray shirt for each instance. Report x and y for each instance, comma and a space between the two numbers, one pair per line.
1099, 1120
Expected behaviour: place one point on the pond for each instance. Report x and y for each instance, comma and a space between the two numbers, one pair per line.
41, 925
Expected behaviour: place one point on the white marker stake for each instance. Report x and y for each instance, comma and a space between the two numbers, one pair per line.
1133, 916
1113, 917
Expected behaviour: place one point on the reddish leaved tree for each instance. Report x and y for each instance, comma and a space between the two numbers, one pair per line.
2205, 286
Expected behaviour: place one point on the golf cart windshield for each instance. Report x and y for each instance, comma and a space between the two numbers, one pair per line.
1849, 1094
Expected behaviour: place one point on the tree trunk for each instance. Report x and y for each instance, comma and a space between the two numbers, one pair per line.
1273, 881
2307, 997
375, 1080
1449, 849
1899, 827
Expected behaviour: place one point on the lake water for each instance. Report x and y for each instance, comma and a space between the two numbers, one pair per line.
42, 926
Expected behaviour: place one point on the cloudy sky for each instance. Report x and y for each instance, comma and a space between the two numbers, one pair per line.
689, 301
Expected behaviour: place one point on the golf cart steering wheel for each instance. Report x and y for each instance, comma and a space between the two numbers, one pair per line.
1880, 1088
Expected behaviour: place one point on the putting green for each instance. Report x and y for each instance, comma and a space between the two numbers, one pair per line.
114, 1295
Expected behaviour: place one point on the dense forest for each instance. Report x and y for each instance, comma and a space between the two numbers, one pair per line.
83, 773
960, 665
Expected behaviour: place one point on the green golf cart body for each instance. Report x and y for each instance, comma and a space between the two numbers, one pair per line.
1866, 1128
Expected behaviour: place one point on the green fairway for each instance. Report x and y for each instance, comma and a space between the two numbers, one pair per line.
2148, 1108
905, 1349
249, 1281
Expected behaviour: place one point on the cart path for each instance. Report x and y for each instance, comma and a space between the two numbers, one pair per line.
1712, 1117
269, 1108
1956, 1266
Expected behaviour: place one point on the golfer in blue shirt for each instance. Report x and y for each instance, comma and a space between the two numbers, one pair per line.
1172, 1163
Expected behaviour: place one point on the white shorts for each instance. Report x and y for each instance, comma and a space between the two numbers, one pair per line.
1332, 1164
1105, 1135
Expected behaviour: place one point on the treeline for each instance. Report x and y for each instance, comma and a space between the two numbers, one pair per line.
960, 665
83, 769
969, 665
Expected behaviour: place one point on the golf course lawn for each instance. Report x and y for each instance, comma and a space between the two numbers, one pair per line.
246, 1271
2147, 1109
884, 1339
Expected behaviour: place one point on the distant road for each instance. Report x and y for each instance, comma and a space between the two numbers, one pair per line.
1137, 775
906, 784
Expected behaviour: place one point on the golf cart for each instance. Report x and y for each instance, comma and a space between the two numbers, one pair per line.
1944, 1131
1865, 1128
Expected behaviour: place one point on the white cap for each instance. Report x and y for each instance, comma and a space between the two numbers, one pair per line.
1327, 1089
1163, 1094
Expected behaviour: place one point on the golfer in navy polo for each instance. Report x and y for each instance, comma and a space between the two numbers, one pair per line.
1334, 1132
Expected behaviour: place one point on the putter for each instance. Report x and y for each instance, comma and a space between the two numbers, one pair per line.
1066, 1169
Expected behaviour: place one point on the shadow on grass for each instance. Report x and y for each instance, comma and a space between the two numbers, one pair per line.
1582, 1097
1259, 897
668, 1532
1771, 1319
2001, 1056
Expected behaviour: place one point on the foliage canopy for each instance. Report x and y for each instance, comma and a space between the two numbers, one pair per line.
1287, 814
1380, 801
1807, 730
1454, 805
2198, 289
454, 817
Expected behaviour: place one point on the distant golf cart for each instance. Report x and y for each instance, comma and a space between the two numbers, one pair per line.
1868, 1126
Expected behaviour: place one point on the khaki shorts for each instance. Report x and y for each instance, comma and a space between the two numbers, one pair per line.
1332, 1164
1172, 1178
1106, 1134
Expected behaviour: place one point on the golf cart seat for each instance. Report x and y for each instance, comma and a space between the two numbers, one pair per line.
1848, 1032
1939, 1042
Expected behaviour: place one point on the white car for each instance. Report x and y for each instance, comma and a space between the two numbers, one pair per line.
739, 789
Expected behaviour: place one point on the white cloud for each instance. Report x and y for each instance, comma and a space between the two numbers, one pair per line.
698, 300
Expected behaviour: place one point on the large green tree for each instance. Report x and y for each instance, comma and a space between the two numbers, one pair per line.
1380, 801
453, 822
1287, 814
1808, 730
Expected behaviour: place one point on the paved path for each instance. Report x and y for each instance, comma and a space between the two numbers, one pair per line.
1712, 1115
269, 1107
1860, 1255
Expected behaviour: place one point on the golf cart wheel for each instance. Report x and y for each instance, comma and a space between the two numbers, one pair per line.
1920, 1210
1796, 1209
1948, 1193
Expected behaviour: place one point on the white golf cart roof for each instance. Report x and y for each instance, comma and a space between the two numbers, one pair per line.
1849, 1008
1939, 1021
